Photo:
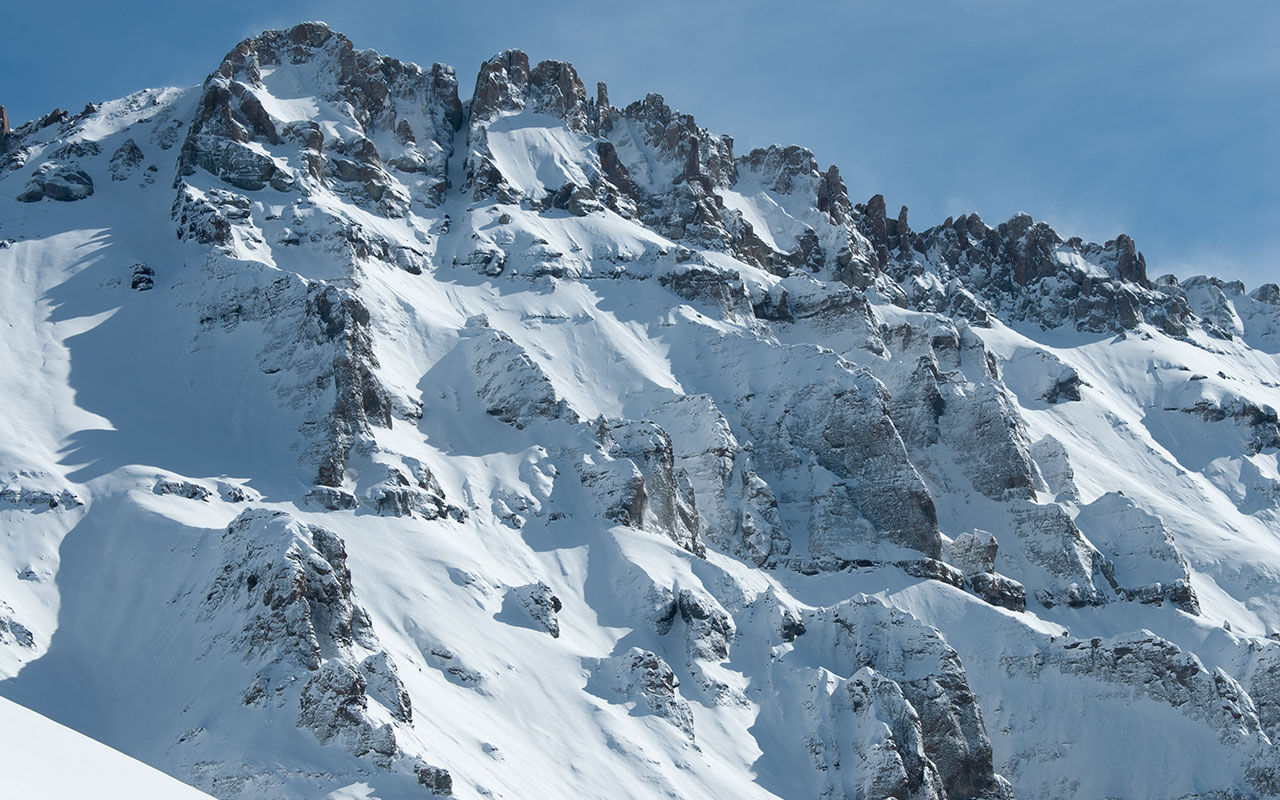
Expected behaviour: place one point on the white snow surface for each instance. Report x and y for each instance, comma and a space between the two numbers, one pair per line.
40, 758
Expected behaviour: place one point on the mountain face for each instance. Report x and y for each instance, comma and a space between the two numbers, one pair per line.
361, 441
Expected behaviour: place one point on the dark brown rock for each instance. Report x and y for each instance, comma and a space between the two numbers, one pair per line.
502, 85
833, 197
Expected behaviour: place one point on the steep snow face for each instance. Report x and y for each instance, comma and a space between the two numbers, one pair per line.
362, 442
38, 751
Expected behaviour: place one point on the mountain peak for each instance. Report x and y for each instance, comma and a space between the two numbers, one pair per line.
393, 443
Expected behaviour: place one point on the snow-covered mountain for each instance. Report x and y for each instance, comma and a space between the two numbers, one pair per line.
362, 441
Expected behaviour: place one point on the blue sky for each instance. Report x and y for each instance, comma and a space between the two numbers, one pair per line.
1159, 118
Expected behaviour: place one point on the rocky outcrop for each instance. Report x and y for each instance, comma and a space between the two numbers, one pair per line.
634, 476
38, 499
1023, 269
339, 321
142, 278
1144, 564
1159, 670
954, 398
1260, 421
1051, 541
721, 291
125, 160
540, 604
974, 554
950, 746
868, 741
641, 676
181, 488
511, 385
411, 491
60, 182
737, 510
669, 504
836, 435
13, 632
287, 587
507, 85
235, 138
708, 627
293, 582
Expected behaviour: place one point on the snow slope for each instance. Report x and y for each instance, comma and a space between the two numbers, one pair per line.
40, 758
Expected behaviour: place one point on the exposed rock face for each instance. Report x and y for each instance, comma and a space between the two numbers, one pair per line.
943, 747
411, 491
736, 509
537, 600
1158, 669
975, 555
505, 86
869, 741
1144, 563
708, 627
1051, 541
669, 503
1025, 270
289, 586
143, 278
1260, 421
125, 160
643, 677
59, 182
865, 489
341, 321
635, 477
187, 489
236, 139
502, 85
512, 386
718, 289
293, 580
38, 499
954, 398
12, 631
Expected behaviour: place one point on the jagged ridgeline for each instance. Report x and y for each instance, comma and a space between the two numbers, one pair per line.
372, 442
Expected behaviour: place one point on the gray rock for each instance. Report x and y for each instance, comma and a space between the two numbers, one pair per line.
869, 742
511, 385
642, 676
664, 498
437, 780
143, 278
333, 499
865, 633
125, 160
12, 631
999, 590
540, 603
867, 492
383, 680
708, 628
334, 706
187, 489
33, 498
59, 182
